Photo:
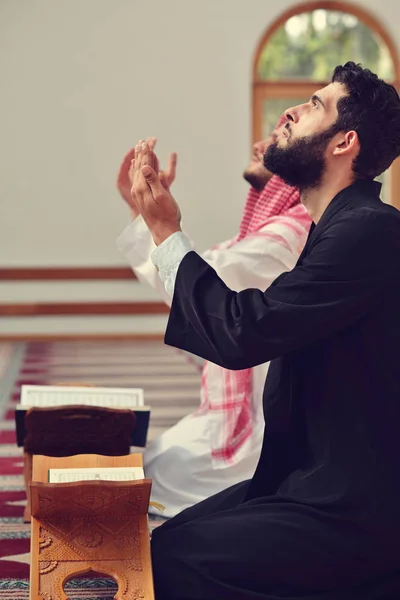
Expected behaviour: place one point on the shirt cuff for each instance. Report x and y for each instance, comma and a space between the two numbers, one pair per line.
168, 256
136, 243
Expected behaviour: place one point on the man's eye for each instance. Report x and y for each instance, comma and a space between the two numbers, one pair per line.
315, 104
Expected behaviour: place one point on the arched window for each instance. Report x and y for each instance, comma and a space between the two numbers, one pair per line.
297, 54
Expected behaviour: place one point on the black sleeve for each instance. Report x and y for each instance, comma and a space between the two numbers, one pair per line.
343, 276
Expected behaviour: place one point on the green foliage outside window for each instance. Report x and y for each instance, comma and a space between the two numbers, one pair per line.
310, 44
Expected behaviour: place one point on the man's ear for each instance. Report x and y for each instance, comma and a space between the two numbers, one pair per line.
346, 143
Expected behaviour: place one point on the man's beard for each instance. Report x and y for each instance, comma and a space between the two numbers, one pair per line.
302, 163
257, 180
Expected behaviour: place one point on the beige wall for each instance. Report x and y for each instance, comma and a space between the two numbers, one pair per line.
81, 81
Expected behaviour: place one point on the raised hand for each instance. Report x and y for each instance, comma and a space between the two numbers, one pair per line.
124, 181
153, 199
124, 178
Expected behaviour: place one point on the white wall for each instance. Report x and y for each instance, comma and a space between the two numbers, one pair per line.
83, 80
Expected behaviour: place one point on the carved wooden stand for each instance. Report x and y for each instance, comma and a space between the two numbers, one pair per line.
68, 430
89, 526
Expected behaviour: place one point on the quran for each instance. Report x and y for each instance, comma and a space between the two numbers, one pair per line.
38, 396
93, 474
58, 395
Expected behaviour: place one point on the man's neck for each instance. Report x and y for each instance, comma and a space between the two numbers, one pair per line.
316, 200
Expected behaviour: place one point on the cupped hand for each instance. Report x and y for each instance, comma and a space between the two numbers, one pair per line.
124, 178
151, 197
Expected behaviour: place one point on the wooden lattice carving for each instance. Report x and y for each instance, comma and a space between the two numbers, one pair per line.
90, 526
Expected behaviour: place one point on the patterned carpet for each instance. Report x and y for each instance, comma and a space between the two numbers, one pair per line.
171, 387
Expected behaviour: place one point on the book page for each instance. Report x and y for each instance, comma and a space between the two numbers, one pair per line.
97, 473
53, 395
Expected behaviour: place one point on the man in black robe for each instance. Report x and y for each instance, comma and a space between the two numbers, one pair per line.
320, 520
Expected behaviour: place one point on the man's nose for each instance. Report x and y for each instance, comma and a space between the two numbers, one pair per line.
292, 114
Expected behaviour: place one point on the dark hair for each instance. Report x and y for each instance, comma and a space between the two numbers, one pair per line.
372, 109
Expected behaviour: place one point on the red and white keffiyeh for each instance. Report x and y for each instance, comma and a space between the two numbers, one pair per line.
226, 393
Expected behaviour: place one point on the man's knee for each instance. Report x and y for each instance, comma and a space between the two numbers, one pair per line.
161, 572
167, 570
175, 571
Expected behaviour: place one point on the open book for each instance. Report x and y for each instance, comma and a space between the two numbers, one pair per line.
43, 396
58, 395
69, 475
96, 474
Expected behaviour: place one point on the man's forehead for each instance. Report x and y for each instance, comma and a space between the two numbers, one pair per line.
331, 93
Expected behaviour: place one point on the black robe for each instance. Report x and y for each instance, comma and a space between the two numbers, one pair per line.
320, 520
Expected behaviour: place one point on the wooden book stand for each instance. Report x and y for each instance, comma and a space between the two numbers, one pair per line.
69, 430
89, 526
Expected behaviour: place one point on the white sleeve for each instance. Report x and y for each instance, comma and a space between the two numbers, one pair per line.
255, 261
259, 258
137, 245
167, 258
